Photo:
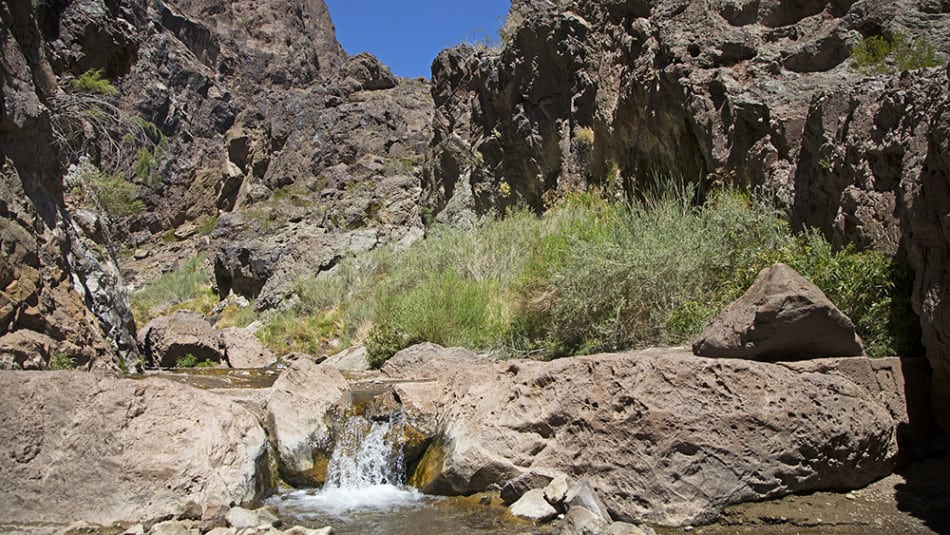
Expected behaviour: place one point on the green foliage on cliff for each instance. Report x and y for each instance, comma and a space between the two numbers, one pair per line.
590, 275
185, 288
92, 81
878, 55
111, 193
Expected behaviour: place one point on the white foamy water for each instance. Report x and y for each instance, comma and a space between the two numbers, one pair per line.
340, 502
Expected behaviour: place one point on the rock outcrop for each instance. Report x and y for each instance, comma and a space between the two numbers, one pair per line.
618, 95
86, 446
60, 292
183, 335
300, 410
782, 316
662, 435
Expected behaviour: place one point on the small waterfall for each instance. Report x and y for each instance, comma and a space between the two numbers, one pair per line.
368, 453
366, 473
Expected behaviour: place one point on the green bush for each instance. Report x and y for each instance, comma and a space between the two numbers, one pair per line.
92, 81
114, 194
590, 275
187, 287
61, 361
879, 55
187, 361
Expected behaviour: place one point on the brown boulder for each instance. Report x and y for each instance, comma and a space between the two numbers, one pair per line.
662, 436
84, 446
298, 420
243, 350
168, 339
782, 316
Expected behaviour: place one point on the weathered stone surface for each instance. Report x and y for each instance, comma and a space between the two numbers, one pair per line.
533, 506
580, 521
352, 359
298, 421
99, 449
168, 339
536, 478
782, 316
365, 72
241, 518
556, 491
243, 350
663, 436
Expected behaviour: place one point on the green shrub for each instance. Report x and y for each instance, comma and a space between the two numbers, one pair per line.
187, 361
187, 287
92, 81
61, 361
113, 193
590, 275
879, 55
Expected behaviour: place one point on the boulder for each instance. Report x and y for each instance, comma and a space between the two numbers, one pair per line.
532, 506
352, 359
581, 521
364, 72
84, 446
535, 478
298, 420
243, 350
241, 518
168, 339
661, 435
782, 316
556, 491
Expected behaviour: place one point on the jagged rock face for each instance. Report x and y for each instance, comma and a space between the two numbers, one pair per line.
60, 293
874, 170
619, 93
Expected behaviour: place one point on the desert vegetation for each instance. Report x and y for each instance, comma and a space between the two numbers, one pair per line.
589, 275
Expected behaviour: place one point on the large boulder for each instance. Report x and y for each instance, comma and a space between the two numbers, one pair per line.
663, 436
243, 350
782, 316
183, 335
299, 421
90, 447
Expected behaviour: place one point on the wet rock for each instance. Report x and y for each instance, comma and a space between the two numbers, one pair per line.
168, 339
299, 530
243, 350
769, 321
298, 419
756, 430
100, 449
533, 506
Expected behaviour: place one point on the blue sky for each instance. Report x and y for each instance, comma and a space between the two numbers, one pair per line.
408, 34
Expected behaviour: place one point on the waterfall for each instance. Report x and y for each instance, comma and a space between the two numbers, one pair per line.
367, 454
366, 472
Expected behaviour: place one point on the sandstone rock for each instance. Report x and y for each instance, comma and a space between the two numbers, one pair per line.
582, 495
243, 350
661, 435
297, 417
351, 359
533, 506
241, 518
581, 521
556, 491
782, 316
168, 339
535, 478
92, 447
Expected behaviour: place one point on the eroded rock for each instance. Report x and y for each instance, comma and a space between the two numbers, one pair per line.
299, 423
782, 316
663, 436
91, 447
181, 336
243, 350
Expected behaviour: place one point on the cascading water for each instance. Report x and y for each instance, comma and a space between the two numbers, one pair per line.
365, 491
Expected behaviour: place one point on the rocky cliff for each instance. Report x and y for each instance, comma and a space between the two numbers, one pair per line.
60, 298
250, 111
619, 95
